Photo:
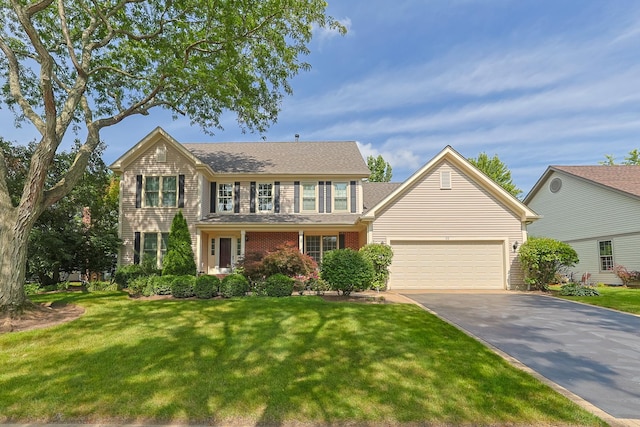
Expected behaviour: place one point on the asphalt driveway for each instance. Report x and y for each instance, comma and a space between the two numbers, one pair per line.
592, 352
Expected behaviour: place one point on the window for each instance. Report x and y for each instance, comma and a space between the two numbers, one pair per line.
317, 246
606, 255
225, 198
164, 240
308, 197
213, 246
239, 247
265, 197
340, 196
161, 191
155, 246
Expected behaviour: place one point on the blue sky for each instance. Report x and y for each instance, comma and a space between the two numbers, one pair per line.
536, 82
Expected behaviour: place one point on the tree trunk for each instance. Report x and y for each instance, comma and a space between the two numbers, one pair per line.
14, 238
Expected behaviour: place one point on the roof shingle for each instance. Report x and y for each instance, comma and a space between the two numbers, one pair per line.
625, 178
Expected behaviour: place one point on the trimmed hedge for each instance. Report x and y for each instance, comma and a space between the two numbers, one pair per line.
183, 286
347, 271
278, 285
206, 286
234, 285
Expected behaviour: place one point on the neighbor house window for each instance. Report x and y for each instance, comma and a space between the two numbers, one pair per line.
225, 198
340, 196
606, 255
161, 191
317, 246
308, 197
265, 197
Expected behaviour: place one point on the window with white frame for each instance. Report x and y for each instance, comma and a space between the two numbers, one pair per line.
225, 198
155, 246
317, 246
340, 196
265, 197
161, 191
605, 248
308, 196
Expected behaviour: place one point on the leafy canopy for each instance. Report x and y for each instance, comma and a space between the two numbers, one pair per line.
633, 158
495, 169
380, 169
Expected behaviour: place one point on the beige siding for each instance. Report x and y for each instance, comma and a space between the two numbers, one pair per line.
146, 219
465, 212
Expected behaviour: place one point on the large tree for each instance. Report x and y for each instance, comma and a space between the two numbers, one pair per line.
633, 158
91, 64
380, 169
495, 169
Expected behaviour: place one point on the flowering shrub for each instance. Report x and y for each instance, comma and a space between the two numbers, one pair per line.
625, 275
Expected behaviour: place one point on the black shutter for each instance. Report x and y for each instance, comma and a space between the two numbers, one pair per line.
252, 197
353, 197
276, 197
212, 197
296, 197
321, 197
181, 191
236, 197
341, 241
136, 248
328, 187
138, 191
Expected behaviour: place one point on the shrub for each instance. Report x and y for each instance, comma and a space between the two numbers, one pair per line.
541, 258
578, 290
251, 266
32, 288
625, 275
318, 285
234, 285
142, 285
126, 273
179, 259
278, 285
346, 271
97, 285
380, 256
161, 285
182, 286
288, 260
206, 286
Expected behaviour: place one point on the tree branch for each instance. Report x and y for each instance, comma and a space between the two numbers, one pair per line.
67, 37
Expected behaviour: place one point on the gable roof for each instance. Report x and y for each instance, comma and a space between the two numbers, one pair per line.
282, 158
455, 158
621, 178
374, 192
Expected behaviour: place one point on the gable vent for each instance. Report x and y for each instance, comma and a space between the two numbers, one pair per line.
445, 180
555, 185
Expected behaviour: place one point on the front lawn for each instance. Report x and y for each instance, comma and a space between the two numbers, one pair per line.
618, 298
264, 361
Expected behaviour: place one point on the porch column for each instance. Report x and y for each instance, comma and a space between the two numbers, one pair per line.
199, 261
301, 241
370, 232
243, 238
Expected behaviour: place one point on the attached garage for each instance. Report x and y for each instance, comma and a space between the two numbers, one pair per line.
447, 265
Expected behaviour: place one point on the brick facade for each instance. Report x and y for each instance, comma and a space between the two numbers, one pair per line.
352, 240
262, 242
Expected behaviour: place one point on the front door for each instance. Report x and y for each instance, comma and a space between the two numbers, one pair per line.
225, 252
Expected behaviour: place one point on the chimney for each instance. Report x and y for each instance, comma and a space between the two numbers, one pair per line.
297, 137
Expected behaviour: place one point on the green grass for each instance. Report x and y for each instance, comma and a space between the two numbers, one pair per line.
264, 361
618, 298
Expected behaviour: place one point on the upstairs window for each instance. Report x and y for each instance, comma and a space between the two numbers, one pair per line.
225, 198
161, 191
308, 197
265, 197
340, 196
606, 255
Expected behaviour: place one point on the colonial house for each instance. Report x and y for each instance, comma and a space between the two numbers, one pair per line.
595, 209
449, 225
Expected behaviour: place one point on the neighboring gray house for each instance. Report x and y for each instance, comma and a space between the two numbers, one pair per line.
595, 209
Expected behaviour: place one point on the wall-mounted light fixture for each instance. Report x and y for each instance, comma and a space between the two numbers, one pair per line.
246, 238
515, 246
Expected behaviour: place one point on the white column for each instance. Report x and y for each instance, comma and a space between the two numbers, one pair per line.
243, 238
301, 241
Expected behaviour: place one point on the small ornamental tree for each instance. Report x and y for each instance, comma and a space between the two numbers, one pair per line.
380, 257
541, 258
179, 259
346, 271
288, 260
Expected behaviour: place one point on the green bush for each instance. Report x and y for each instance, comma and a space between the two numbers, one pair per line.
278, 285
161, 285
206, 286
380, 256
578, 290
32, 288
183, 286
347, 271
318, 285
234, 285
179, 259
126, 273
142, 285
97, 285
541, 258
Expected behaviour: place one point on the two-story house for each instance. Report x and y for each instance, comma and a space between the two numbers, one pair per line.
449, 225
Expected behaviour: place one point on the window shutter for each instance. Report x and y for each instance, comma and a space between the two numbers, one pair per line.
181, 191
341, 241
236, 197
353, 196
328, 187
138, 191
296, 197
276, 197
252, 197
212, 197
321, 196
136, 248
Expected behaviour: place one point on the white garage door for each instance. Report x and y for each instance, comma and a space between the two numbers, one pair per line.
447, 265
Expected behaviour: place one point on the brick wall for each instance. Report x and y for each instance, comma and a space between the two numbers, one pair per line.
261, 242
352, 240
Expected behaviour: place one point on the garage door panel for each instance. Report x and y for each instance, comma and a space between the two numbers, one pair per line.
447, 265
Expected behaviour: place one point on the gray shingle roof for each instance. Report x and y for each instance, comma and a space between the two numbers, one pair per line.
282, 158
625, 178
375, 192
272, 219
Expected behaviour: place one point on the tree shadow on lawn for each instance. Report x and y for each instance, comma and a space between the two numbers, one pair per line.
264, 361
